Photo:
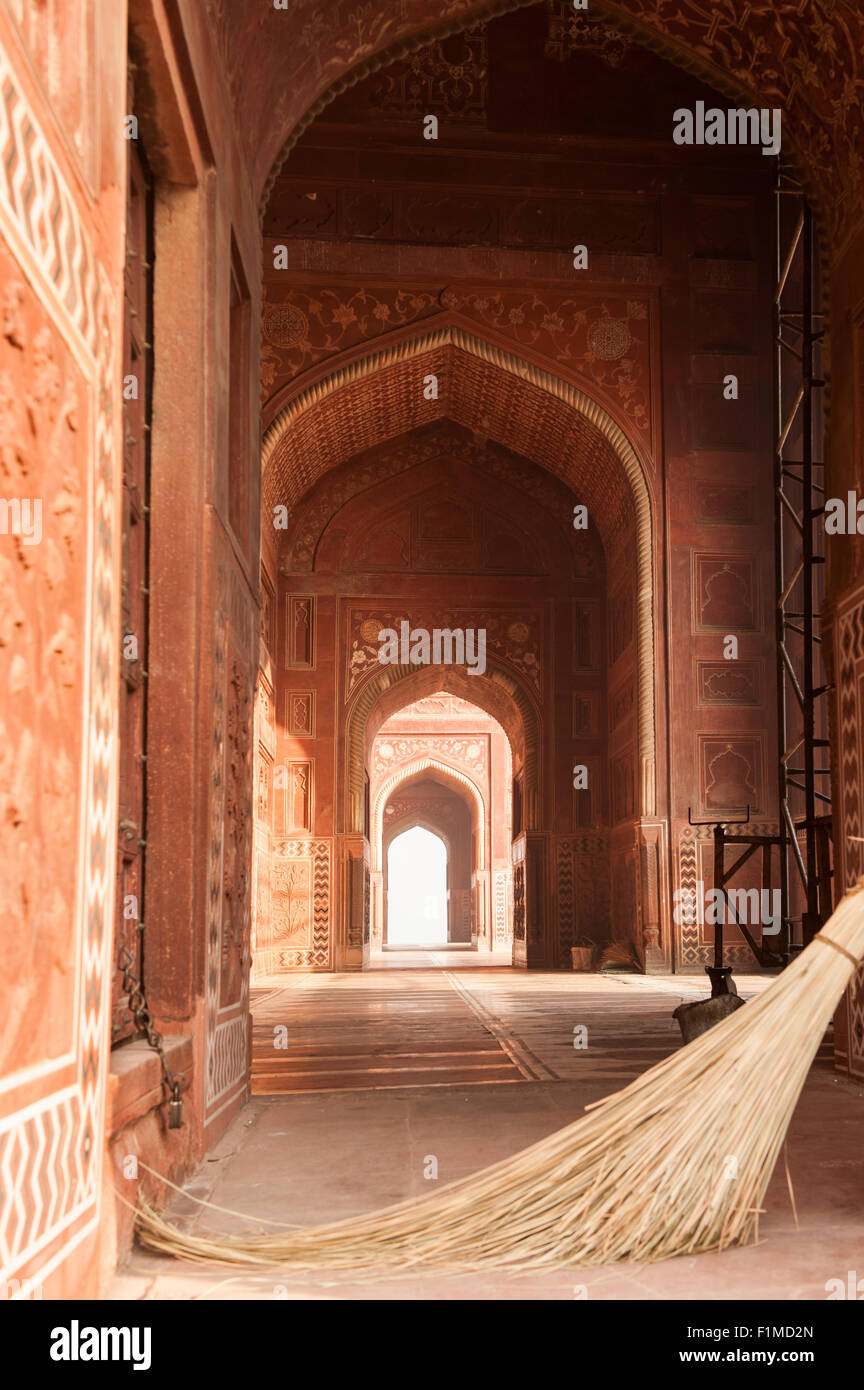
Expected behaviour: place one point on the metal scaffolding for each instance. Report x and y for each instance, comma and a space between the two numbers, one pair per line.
804, 785
803, 839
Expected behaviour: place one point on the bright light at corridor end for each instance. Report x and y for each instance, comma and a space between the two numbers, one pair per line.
417, 889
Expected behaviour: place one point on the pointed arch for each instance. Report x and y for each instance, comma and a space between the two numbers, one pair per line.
494, 682
459, 781
388, 418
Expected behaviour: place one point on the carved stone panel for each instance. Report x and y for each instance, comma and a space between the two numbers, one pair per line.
297, 933
729, 682
725, 593
300, 713
300, 631
730, 773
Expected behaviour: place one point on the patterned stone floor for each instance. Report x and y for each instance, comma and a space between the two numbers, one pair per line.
440, 1019
467, 1065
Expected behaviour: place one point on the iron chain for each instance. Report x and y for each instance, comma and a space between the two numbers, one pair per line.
138, 1008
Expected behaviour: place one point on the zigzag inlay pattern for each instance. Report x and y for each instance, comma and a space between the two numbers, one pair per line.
33, 191
566, 897
228, 1058
688, 876
43, 1176
502, 880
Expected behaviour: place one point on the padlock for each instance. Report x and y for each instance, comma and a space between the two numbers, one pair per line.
175, 1108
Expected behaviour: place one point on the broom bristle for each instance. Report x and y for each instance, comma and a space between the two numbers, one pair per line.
676, 1162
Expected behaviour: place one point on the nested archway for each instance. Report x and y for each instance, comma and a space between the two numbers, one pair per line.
428, 794
367, 416
498, 693
436, 770
507, 398
446, 763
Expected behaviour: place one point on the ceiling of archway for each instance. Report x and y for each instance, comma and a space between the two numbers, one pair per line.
807, 58
472, 393
423, 782
399, 468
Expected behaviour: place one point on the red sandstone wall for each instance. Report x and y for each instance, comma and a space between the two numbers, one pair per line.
62, 202
204, 580
62, 199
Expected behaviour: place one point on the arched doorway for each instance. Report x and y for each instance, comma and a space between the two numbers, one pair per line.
446, 763
387, 559
532, 572
417, 892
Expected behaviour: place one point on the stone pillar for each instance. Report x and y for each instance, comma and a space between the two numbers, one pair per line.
482, 926
652, 868
353, 918
531, 926
376, 910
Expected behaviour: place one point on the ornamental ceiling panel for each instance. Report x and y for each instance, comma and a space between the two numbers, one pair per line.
442, 441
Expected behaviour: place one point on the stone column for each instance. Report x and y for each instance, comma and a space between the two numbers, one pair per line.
531, 919
652, 867
353, 916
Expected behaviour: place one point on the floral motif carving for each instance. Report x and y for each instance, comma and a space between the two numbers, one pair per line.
523, 656
292, 902
606, 342
303, 327
389, 752
570, 30
448, 77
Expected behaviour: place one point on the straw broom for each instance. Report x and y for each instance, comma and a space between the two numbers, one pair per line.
645, 1174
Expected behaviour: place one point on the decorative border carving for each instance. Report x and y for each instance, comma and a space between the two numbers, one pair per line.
503, 885
214, 1055
226, 1060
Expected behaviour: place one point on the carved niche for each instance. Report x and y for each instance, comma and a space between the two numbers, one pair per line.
726, 597
730, 771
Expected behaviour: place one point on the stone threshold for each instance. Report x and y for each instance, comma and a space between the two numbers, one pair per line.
135, 1079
